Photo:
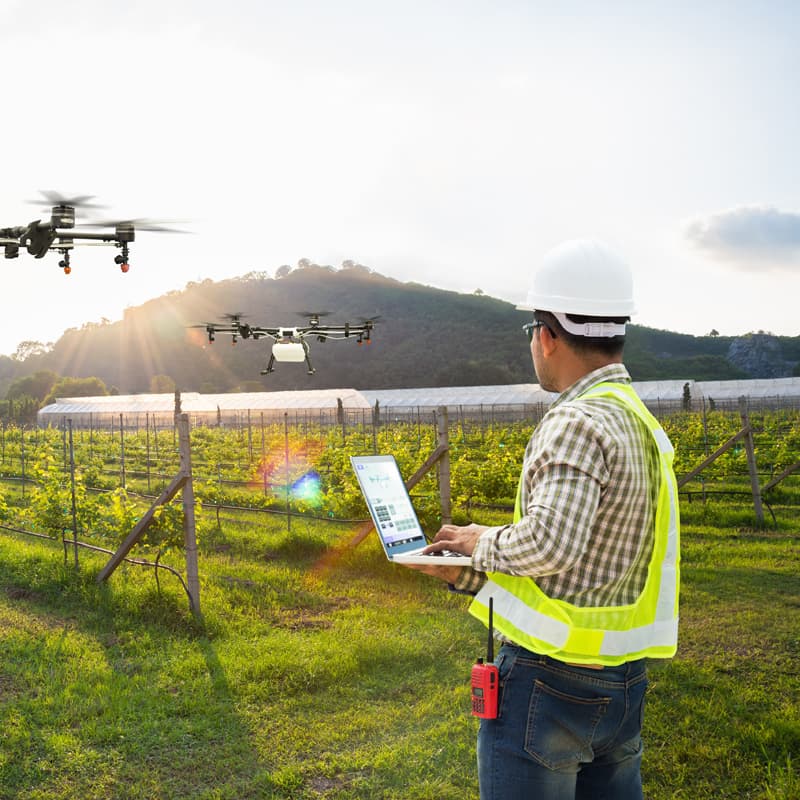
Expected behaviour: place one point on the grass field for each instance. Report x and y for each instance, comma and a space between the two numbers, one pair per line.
324, 672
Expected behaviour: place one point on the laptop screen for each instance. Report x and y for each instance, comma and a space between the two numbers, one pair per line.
389, 504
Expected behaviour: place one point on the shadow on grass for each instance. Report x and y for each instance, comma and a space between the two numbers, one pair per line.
116, 692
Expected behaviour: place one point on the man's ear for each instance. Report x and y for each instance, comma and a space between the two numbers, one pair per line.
548, 342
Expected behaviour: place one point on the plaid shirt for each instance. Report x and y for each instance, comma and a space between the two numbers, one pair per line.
590, 483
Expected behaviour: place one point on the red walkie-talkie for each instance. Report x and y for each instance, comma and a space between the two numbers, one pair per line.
485, 681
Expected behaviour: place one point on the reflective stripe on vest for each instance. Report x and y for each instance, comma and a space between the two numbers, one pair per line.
609, 635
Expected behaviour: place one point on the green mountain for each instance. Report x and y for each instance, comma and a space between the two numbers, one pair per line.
425, 337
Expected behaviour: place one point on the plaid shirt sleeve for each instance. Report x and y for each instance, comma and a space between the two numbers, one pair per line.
590, 480
564, 474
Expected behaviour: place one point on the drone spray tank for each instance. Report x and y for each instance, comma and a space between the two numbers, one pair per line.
290, 352
287, 349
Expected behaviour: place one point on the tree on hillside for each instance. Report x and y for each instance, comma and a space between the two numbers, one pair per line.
354, 266
21, 410
37, 385
476, 373
162, 384
76, 387
30, 348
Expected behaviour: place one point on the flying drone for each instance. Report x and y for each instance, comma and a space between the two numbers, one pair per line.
289, 344
60, 233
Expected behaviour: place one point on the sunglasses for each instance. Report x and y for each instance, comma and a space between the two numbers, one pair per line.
530, 327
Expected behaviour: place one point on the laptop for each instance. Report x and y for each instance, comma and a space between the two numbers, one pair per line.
393, 514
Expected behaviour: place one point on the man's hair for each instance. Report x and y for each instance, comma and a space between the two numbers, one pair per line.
585, 345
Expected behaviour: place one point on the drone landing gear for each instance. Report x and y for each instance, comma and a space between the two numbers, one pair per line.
64, 263
122, 258
307, 351
270, 366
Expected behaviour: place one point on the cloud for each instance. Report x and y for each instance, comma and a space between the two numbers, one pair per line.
750, 238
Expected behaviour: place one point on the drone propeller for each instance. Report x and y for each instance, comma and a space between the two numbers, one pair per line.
234, 320
209, 327
368, 320
314, 315
52, 198
243, 329
139, 224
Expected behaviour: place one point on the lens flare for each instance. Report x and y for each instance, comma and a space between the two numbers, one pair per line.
288, 471
307, 488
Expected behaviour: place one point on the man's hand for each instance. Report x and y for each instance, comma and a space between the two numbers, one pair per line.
457, 538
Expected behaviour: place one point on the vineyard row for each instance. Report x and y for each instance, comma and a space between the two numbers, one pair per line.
308, 466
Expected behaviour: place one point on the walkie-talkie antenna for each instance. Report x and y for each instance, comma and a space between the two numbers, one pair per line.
490, 643
485, 679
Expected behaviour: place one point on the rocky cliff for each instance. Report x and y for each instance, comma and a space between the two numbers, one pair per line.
760, 355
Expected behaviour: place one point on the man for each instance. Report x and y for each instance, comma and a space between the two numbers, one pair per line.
584, 582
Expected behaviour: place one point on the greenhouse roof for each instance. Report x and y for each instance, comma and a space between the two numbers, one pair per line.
757, 387
664, 390
511, 394
193, 402
532, 393
311, 398
428, 397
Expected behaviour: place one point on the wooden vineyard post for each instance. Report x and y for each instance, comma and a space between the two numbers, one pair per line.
751, 460
189, 534
72, 493
121, 451
443, 443
147, 441
181, 482
745, 435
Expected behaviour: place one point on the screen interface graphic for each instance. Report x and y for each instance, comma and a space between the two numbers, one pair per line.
392, 510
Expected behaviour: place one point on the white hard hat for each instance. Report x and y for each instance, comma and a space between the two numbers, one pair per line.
582, 276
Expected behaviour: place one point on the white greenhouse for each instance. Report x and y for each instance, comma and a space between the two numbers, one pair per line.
337, 405
158, 410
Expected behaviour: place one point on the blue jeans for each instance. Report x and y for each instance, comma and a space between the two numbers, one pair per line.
563, 732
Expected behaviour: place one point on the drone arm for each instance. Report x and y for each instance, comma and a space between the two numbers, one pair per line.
338, 331
257, 332
71, 234
12, 233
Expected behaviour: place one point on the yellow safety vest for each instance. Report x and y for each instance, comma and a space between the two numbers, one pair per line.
608, 635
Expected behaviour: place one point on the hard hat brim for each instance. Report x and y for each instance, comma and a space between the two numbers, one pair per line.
585, 307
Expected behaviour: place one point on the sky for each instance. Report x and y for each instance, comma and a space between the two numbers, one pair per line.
447, 143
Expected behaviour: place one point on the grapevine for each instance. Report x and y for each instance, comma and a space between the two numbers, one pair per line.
305, 469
